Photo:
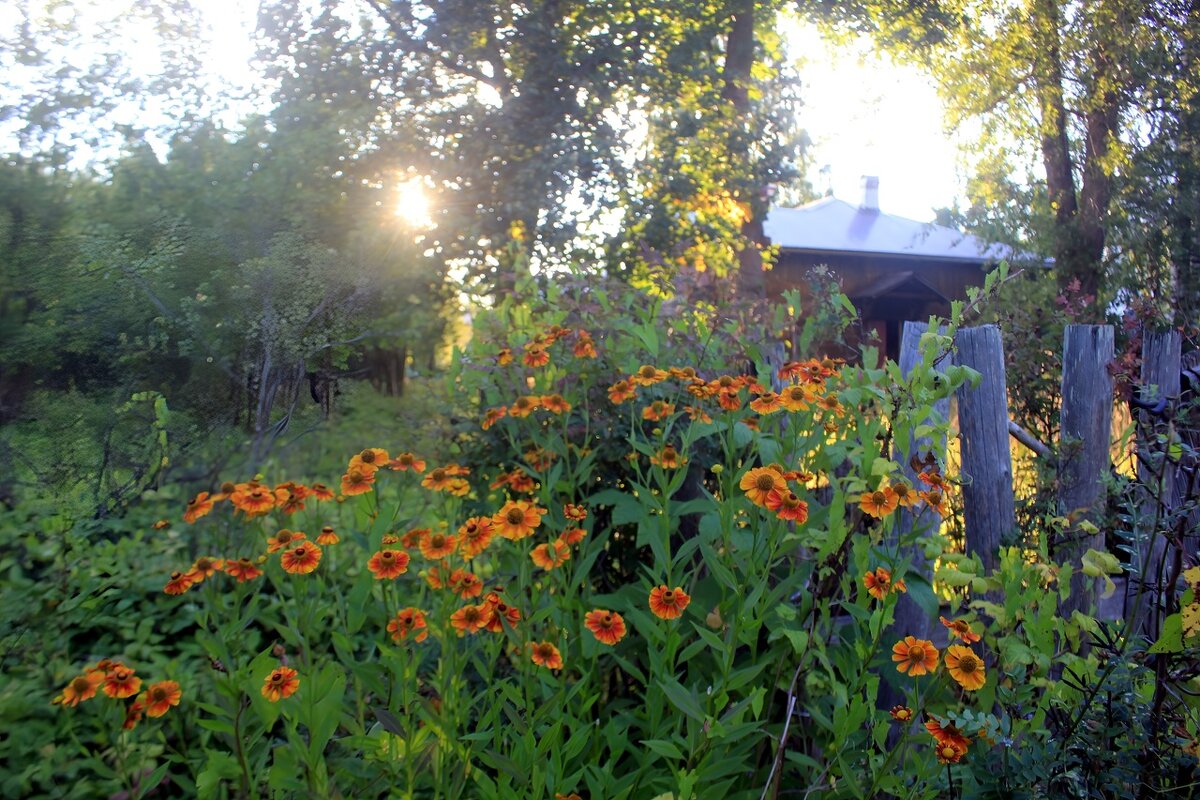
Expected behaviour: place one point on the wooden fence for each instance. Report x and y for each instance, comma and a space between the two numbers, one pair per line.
1084, 461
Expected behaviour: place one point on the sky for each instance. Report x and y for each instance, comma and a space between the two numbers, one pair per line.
864, 114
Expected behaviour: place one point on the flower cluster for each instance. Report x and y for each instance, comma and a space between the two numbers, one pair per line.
120, 682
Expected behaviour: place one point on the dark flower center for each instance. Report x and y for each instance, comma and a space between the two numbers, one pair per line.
515, 516
764, 482
878, 498
368, 456
968, 664
916, 653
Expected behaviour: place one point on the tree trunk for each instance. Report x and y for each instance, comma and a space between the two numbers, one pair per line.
737, 77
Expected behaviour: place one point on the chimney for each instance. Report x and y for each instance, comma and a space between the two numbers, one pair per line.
870, 197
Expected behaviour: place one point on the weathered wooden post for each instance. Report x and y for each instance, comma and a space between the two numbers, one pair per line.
1087, 406
910, 618
988, 505
1160, 388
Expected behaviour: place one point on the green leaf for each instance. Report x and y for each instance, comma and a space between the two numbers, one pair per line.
1171, 638
682, 699
664, 748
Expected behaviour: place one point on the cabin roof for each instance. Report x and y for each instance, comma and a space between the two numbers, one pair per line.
835, 226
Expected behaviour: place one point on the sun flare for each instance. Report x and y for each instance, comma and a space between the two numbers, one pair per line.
412, 204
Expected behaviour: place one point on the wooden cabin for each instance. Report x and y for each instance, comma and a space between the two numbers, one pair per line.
893, 268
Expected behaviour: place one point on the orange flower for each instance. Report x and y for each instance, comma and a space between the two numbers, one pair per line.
545, 654
133, 715
961, 629
205, 567
301, 560
571, 796
517, 519
474, 536
949, 753
573, 535
658, 410
407, 461
524, 406
668, 603
388, 564
328, 536
321, 492
435, 577
253, 500
668, 458
906, 497
162, 524
648, 375
82, 687
555, 404
369, 460
947, 734
120, 682
179, 583
758, 483
502, 613
357, 481
504, 357
879, 503
538, 458
471, 619
284, 539
243, 569
901, 713
787, 505
552, 555
282, 682
797, 397
729, 399
931, 477
438, 479
197, 507
935, 500
574, 512
767, 403
879, 583
408, 620
159, 698
465, 584
965, 667
621, 391
584, 346
697, 414
607, 626
536, 355
290, 498
493, 416
915, 656
437, 545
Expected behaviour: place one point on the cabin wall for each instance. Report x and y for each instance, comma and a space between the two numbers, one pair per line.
859, 273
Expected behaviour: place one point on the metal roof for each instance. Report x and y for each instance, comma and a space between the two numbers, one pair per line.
832, 225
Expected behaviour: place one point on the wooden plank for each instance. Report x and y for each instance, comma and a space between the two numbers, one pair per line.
1160, 380
1087, 406
988, 505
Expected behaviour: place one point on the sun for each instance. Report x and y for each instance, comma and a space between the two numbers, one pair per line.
412, 204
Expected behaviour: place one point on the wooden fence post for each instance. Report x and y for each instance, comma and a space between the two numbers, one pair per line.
1160, 381
910, 618
988, 505
1087, 406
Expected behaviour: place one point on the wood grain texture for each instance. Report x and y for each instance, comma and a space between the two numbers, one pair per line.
988, 505
1086, 424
